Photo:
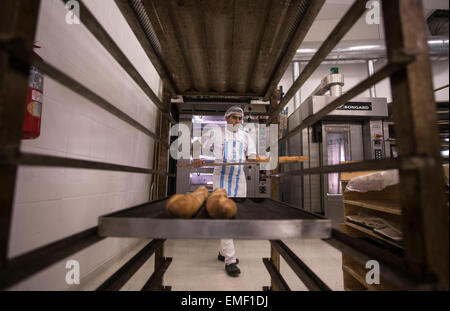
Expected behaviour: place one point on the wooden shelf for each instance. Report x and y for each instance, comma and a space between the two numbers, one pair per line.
357, 278
371, 233
381, 205
358, 272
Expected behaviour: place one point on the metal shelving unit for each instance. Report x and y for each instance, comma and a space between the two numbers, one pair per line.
256, 218
424, 213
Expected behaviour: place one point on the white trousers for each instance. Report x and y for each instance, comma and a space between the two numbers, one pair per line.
227, 250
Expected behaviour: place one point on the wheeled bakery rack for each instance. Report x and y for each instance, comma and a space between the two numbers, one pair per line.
424, 264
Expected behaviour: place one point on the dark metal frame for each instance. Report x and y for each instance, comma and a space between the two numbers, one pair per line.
425, 263
17, 31
345, 24
130, 16
121, 276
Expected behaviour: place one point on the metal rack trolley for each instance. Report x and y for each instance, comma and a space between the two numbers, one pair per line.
424, 264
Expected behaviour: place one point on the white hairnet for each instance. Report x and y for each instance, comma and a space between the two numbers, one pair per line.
234, 109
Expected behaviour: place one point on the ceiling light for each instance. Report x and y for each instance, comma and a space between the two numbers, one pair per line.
306, 50
362, 47
438, 41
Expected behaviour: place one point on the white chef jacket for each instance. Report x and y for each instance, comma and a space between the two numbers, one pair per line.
231, 147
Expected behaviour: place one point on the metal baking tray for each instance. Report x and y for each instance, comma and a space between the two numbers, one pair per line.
256, 219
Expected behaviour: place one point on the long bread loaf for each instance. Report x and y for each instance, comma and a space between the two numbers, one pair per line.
220, 206
186, 205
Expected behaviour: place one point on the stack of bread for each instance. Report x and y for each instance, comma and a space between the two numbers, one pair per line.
186, 205
220, 206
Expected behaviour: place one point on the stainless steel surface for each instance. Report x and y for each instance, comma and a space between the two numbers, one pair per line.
372, 89
183, 173
336, 90
373, 140
199, 106
293, 187
250, 179
321, 193
258, 184
256, 219
356, 142
262, 183
364, 107
295, 192
332, 82
306, 193
295, 74
390, 144
316, 187
343, 101
201, 178
215, 229
340, 142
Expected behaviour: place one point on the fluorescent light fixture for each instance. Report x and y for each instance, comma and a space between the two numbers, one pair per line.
212, 122
205, 157
306, 50
197, 119
444, 153
362, 47
437, 41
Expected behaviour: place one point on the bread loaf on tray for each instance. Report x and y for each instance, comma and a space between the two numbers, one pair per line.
186, 205
220, 206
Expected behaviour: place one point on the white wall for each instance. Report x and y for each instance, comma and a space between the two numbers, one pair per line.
53, 203
440, 78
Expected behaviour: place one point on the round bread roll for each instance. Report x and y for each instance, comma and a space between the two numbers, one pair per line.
220, 206
185, 206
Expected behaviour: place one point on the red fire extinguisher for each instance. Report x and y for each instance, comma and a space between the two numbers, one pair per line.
33, 110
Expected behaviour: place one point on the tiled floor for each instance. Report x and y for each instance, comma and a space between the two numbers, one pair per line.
195, 265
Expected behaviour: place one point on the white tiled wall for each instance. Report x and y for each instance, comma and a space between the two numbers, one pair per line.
53, 203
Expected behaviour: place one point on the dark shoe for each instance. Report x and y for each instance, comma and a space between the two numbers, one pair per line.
222, 258
232, 269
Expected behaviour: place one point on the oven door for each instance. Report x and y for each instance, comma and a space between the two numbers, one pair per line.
340, 143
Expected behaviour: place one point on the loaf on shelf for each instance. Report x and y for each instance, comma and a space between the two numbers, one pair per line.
186, 205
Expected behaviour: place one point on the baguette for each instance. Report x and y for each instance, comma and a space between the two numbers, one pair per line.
220, 206
185, 206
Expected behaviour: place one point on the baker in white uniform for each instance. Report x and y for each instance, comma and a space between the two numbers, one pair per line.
230, 144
